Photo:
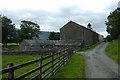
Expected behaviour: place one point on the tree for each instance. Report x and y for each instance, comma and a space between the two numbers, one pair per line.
8, 31
54, 36
109, 38
89, 26
28, 30
113, 23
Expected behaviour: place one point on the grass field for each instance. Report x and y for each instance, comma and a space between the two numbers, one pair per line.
112, 51
19, 59
75, 64
14, 46
73, 69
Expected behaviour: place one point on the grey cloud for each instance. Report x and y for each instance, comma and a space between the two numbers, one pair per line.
58, 19
111, 7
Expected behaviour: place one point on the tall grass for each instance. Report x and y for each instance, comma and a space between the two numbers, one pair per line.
112, 50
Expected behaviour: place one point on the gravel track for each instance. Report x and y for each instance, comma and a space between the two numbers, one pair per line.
98, 65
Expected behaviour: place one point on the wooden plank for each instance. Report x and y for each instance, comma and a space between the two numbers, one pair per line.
27, 73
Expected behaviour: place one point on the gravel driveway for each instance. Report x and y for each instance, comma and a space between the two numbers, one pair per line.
98, 65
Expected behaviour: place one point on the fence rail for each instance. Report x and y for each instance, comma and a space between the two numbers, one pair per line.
55, 65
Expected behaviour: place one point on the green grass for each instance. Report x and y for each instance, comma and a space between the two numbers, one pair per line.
0, 44
14, 46
0, 61
19, 59
73, 69
112, 50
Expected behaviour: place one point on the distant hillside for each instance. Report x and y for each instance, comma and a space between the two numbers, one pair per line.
44, 35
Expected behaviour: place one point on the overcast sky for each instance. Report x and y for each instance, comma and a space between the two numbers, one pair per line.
51, 15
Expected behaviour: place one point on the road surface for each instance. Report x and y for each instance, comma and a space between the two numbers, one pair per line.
98, 65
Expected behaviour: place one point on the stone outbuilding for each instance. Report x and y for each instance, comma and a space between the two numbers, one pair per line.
48, 44
36, 44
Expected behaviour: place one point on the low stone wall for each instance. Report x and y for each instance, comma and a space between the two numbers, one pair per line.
30, 52
33, 52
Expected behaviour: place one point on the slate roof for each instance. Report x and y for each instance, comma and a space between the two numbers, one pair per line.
39, 42
69, 42
52, 42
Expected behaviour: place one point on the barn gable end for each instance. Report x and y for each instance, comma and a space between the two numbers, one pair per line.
74, 31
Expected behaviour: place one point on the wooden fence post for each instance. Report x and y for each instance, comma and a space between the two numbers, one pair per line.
40, 71
10, 74
52, 63
67, 56
59, 59
64, 56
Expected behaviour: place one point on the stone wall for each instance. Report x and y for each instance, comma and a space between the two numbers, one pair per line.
74, 31
27, 52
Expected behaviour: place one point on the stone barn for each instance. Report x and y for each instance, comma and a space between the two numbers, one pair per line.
36, 44
74, 31
49, 44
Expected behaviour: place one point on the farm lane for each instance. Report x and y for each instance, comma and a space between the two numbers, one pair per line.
98, 65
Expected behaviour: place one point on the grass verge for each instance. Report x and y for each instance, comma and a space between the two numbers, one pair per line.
112, 50
74, 68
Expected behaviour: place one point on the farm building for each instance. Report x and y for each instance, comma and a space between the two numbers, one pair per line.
75, 44
71, 34
70, 43
74, 31
40, 44
35, 44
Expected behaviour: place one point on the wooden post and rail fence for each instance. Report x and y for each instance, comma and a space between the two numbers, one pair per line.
55, 63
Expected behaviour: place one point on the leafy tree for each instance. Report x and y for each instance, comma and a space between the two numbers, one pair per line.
89, 26
8, 31
109, 38
113, 23
28, 30
57, 36
54, 36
